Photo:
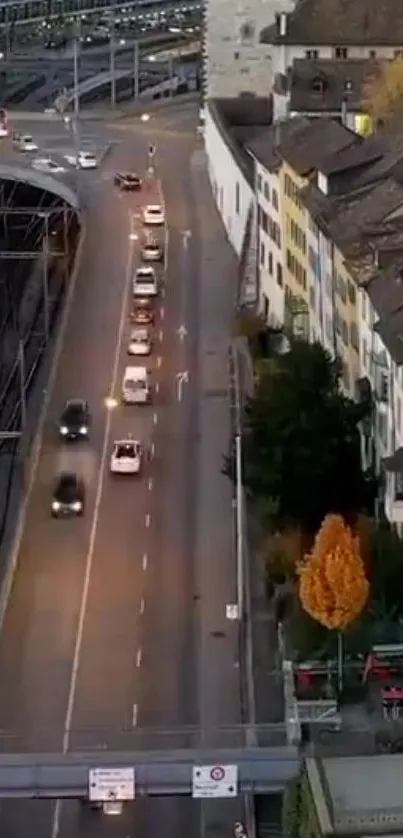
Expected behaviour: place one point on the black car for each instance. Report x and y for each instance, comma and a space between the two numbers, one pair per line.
75, 420
68, 496
127, 181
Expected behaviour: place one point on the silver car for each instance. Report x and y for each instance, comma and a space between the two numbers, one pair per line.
140, 342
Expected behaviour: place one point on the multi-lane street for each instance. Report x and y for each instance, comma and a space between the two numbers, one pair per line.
115, 634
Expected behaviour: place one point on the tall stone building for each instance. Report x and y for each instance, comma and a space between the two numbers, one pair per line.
235, 61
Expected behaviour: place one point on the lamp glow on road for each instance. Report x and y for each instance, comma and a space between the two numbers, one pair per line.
152, 58
133, 237
145, 117
111, 403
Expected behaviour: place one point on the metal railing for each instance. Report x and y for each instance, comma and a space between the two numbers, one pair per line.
22, 12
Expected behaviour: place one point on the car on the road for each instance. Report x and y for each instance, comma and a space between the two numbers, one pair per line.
127, 181
142, 312
126, 457
152, 251
75, 420
145, 282
48, 166
68, 496
140, 342
84, 160
153, 215
25, 142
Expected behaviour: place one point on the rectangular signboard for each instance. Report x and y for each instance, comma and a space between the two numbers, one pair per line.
214, 781
111, 784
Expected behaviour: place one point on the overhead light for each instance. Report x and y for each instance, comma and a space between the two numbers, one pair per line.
145, 117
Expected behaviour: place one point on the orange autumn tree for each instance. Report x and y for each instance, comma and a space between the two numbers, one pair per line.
333, 587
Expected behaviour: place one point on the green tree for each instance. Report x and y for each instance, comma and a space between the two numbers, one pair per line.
301, 442
385, 571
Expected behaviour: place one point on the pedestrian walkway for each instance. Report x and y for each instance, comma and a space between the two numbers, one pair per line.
220, 272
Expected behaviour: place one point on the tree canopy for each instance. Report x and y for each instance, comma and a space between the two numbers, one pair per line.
333, 587
301, 443
383, 92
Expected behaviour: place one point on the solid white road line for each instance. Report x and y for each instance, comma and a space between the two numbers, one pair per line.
38, 439
139, 657
145, 561
148, 520
159, 362
134, 715
91, 547
152, 450
142, 605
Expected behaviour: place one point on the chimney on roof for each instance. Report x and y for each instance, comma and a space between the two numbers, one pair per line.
283, 24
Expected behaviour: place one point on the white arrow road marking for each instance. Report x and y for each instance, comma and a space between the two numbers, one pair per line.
181, 379
182, 332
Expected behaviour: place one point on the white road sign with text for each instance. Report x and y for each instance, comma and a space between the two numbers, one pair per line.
214, 781
111, 784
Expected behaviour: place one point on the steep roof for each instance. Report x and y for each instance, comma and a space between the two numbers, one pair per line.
340, 22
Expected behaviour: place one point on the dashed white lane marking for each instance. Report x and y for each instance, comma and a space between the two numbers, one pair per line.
162, 312
134, 715
148, 520
139, 657
145, 561
149, 484
157, 387
155, 418
159, 362
142, 605
160, 335
152, 449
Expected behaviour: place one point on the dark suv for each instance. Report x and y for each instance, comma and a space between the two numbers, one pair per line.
75, 420
68, 496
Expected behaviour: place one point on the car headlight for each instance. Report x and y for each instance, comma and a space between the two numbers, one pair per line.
64, 430
55, 505
76, 506
83, 430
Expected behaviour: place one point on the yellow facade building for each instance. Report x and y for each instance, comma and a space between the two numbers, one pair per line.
294, 225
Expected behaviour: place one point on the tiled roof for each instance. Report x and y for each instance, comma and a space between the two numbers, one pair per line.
302, 142
239, 120
340, 23
320, 86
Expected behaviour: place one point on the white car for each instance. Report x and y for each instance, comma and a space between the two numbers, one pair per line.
153, 215
139, 342
145, 282
45, 164
84, 160
126, 457
26, 143
152, 252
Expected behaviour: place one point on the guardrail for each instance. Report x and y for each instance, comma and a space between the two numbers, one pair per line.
21, 12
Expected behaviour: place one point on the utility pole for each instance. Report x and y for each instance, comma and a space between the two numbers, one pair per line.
46, 278
23, 395
112, 51
76, 82
136, 70
171, 75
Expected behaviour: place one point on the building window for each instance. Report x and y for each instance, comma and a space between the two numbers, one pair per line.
312, 53
279, 272
344, 332
342, 288
398, 414
237, 198
354, 336
264, 221
274, 199
265, 307
341, 52
364, 352
266, 191
364, 312
262, 253
312, 298
351, 292
270, 262
259, 183
372, 53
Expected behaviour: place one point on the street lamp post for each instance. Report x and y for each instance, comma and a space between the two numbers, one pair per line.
136, 70
112, 61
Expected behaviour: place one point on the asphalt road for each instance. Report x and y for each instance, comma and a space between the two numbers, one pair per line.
116, 628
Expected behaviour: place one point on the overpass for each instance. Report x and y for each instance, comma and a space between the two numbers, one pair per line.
107, 77
34, 11
156, 773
